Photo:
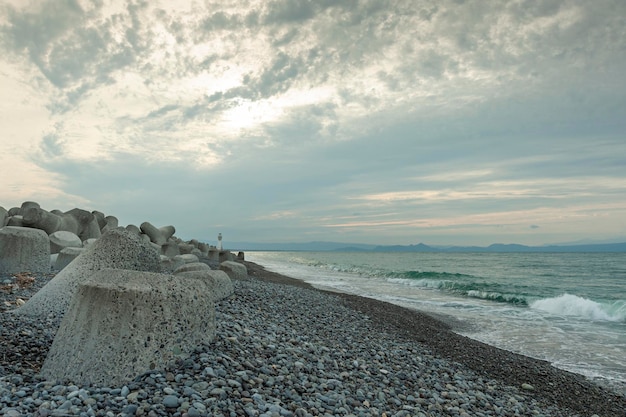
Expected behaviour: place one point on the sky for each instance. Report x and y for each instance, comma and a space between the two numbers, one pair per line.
397, 122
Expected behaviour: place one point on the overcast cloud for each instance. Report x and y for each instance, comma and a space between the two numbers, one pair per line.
443, 122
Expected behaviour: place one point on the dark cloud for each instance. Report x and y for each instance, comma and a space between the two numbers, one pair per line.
452, 113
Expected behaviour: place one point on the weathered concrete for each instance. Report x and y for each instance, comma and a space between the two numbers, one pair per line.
16, 220
226, 256
39, 218
187, 258
213, 254
167, 231
117, 248
170, 249
87, 223
194, 266
66, 256
221, 286
28, 204
89, 242
134, 229
62, 239
123, 323
99, 218
4, 216
111, 222
156, 236
204, 248
80, 222
170, 264
185, 248
24, 249
235, 270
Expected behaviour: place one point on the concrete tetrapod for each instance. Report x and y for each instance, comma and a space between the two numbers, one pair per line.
221, 286
235, 270
62, 239
117, 248
24, 249
123, 323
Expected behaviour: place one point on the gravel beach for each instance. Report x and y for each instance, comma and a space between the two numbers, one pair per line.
285, 349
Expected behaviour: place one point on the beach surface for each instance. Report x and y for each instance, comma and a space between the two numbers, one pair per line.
286, 349
551, 385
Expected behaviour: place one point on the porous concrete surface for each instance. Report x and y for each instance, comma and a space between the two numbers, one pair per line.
62, 239
194, 266
117, 248
221, 285
66, 256
24, 249
122, 323
235, 270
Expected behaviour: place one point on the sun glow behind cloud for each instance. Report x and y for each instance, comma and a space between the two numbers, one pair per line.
362, 116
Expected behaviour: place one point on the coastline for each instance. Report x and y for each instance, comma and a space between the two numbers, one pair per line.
285, 348
552, 386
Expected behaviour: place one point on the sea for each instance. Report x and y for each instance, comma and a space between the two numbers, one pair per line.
566, 308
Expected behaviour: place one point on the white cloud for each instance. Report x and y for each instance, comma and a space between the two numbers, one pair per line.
318, 109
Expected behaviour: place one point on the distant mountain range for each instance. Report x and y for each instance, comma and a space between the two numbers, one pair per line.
420, 247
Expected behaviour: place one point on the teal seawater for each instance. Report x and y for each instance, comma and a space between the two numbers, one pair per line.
567, 308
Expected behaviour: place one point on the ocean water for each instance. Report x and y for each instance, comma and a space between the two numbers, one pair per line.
565, 308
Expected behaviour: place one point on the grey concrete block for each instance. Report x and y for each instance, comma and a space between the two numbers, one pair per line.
235, 270
213, 254
28, 204
170, 249
39, 218
24, 249
111, 222
88, 226
226, 256
99, 218
66, 256
117, 248
167, 231
123, 323
220, 284
188, 258
185, 248
16, 221
62, 239
156, 236
4, 216
134, 229
194, 266
170, 264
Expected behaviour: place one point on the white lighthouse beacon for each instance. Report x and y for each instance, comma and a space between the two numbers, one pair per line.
219, 241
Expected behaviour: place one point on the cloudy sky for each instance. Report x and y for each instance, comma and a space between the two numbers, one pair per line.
443, 121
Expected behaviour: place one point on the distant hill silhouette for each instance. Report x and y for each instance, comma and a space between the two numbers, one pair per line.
421, 247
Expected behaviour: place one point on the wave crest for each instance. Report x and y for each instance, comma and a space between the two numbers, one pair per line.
573, 305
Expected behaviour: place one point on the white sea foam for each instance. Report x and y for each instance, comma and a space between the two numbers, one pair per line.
494, 294
573, 305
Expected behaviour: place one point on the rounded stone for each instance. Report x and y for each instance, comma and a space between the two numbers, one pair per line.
170, 401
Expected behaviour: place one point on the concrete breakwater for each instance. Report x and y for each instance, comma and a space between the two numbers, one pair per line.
131, 298
28, 229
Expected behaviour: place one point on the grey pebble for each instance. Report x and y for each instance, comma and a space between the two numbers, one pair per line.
282, 352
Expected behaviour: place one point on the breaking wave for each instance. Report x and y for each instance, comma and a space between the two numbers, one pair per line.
573, 305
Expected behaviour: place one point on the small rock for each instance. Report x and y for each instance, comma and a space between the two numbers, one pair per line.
170, 401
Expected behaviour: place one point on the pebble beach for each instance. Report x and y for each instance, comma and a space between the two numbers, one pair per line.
285, 349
